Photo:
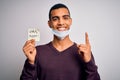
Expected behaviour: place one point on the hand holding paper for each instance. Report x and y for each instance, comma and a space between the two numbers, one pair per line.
30, 50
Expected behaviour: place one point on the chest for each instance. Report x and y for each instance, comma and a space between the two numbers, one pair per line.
60, 63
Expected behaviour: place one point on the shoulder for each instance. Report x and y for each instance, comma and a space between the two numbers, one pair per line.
42, 50
43, 47
74, 47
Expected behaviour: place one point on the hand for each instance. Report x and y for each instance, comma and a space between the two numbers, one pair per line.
30, 50
85, 49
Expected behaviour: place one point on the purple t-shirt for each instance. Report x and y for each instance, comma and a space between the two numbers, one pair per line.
50, 64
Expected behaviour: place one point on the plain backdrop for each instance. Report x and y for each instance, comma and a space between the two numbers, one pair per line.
100, 18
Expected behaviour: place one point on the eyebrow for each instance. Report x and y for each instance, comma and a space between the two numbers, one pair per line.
62, 16
66, 15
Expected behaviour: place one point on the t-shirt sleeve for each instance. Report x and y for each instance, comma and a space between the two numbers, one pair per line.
29, 72
91, 70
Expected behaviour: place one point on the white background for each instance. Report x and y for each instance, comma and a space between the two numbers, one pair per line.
100, 18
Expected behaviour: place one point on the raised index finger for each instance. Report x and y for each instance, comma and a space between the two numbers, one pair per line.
86, 38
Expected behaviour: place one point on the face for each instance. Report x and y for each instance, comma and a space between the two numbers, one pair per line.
60, 19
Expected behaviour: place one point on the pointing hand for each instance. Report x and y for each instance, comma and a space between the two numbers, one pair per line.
85, 49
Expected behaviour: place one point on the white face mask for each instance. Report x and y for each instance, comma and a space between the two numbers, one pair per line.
60, 34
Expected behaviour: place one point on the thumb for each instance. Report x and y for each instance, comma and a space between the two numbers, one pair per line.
33, 41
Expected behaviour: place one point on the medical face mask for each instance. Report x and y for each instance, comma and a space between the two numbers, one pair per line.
60, 34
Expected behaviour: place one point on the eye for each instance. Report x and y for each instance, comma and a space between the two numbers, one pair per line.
54, 18
66, 17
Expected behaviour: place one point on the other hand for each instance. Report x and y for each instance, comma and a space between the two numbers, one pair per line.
85, 49
30, 50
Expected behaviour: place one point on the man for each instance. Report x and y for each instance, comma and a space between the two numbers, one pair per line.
60, 59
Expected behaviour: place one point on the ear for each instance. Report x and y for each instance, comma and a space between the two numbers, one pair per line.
49, 23
70, 21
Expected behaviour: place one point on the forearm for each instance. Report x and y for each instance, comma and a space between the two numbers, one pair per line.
91, 70
29, 72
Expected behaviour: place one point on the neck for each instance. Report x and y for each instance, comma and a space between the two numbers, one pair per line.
63, 44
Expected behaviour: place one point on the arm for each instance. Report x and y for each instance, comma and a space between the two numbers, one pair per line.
29, 71
91, 70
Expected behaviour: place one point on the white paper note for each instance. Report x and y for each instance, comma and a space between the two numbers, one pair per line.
34, 33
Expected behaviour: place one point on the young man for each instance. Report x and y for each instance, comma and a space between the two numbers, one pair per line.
60, 59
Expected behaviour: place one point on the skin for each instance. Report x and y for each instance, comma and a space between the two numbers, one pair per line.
30, 50
60, 20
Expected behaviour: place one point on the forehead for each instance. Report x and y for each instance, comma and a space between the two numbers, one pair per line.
60, 12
